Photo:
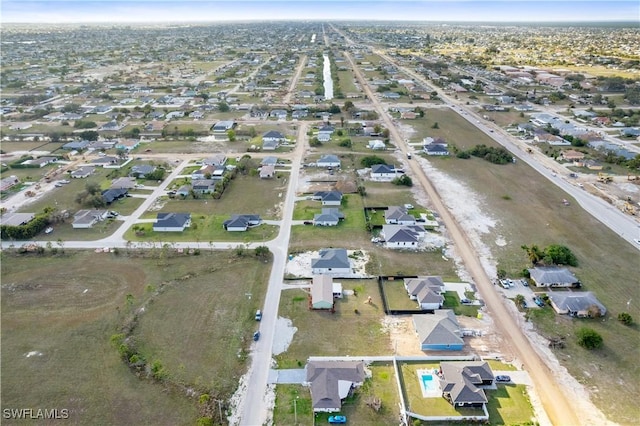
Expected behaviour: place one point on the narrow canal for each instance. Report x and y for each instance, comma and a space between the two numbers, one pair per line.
328, 81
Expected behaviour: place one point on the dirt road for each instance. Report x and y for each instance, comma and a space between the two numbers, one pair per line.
554, 400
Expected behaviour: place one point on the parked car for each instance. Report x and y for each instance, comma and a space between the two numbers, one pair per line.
48, 230
308, 222
503, 379
408, 206
337, 420
538, 300
258, 315
256, 336
465, 301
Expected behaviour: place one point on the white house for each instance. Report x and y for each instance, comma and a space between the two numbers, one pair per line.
402, 236
84, 219
172, 222
384, 172
324, 133
332, 262
328, 160
397, 215
376, 144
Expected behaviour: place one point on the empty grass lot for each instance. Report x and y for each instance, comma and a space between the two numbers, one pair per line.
67, 308
244, 195
529, 211
359, 333
202, 229
284, 412
381, 194
64, 309
453, 128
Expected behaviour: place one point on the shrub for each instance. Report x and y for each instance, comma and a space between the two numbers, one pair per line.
588, 338
625, 318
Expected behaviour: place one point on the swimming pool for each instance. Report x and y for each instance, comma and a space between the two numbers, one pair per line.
428, 383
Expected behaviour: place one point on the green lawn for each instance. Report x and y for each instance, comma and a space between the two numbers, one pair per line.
394, 262
397, 297
244, 195
63, 310
360, 333
509, 405
289, 413
381, 194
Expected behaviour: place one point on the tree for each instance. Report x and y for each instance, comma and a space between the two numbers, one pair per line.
625, 318
560, 255
223, 107
334, 109
403, 180
435, 125
262, 251
588, 338
231, 134
534, 253
371, 160
90, 135
348, 106
520, 301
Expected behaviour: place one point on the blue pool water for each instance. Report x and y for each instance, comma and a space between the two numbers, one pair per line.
428, 384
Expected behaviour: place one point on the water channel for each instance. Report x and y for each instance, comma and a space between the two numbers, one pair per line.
328, 81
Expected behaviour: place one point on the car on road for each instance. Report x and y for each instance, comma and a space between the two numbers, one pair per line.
337, 420
503, 379
256, 336
258, 315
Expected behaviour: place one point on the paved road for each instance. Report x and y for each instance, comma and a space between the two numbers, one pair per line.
254, 408
553, 398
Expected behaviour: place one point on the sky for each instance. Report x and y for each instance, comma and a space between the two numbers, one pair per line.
88, 11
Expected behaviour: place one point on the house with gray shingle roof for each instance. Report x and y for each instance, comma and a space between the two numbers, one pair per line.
439, 331
402, 236
328, 198
384, 172
397, 215
576, 304
329, 217
461, 382
553, 276
331, 261
332, 381
172, 222
328, 160
322, 292
241, 222
427, 291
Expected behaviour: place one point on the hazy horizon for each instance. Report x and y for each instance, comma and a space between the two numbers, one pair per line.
204, 11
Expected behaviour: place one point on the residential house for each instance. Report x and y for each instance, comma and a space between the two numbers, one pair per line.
269, 161
298, 114
41, 162
141, 171
111, 126
397, 215
128, 144
270, 145
83, 172
84, 219
328, 217
16, 219
267, 172
209, 172
8, 182
402, 236
435, 149
124, 182
216, 160
462, 382
203, 186
223, 126
328, 198
322, 292
553, 276
76, 145
572, 155
331, 261
427, 291
332, 381
324, 133
113, 194
438, 331
576, 304
241, 222
408, 115
384, 172
390, 95
172, 222
376, 144
273, 136
328, 160
280, 114
107, 160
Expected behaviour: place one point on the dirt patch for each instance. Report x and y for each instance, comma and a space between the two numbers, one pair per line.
283, 335
300, 264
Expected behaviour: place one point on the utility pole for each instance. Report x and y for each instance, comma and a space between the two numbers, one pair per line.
295, 410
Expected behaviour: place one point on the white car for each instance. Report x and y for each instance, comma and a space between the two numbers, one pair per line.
48, 230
